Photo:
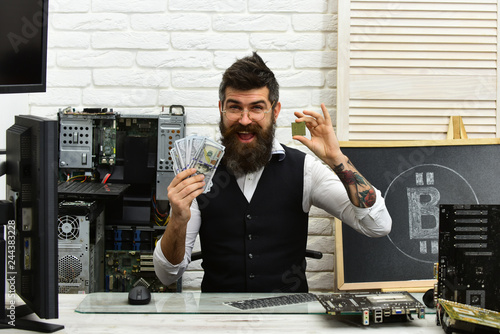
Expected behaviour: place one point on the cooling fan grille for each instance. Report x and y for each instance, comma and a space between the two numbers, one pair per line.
68, 228
70, 267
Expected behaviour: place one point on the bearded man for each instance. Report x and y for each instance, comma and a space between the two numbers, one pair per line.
253, 223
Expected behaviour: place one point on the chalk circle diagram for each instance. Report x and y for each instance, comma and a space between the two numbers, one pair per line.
413, 199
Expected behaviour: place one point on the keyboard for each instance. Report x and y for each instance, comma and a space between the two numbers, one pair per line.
282, 300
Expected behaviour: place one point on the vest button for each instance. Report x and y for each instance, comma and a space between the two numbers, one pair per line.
249, 237
250, 256
251, 276
249, 217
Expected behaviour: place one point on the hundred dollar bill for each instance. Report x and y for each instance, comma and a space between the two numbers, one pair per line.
175, 161
180, 145
196, 143
207, 160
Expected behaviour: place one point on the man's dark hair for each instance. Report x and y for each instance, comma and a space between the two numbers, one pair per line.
249, 73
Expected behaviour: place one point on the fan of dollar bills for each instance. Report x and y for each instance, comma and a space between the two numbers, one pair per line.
197, 152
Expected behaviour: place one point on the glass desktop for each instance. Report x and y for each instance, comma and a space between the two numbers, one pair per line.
197, 303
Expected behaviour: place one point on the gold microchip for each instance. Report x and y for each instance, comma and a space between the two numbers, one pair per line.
298, 129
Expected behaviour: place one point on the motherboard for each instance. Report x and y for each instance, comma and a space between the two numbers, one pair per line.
468, 290
373, 306
469, 255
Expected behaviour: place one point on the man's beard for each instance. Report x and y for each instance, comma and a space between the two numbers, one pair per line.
242, 158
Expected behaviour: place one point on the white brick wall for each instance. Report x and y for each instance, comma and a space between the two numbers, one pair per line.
135, 56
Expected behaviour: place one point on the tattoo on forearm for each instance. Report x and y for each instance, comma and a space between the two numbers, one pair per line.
368, 197
360, 191
346, 176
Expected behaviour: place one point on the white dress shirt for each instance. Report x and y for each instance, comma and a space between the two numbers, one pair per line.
322, 188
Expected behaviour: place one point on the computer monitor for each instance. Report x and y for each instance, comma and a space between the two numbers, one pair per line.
31, 179
23, 46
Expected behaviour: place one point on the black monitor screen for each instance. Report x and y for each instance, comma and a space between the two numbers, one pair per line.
31, 176
23, 45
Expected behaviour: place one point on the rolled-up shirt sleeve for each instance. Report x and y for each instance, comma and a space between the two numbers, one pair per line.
169, 273
323, 189
374, 221
166, 272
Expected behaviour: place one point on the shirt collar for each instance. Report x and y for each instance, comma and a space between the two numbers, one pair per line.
278, 150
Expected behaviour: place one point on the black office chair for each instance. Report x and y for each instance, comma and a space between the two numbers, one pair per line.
198, 256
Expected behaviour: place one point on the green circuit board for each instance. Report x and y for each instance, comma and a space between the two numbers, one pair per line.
126, 269
471, 314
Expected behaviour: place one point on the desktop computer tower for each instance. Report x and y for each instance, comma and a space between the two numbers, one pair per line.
80, 233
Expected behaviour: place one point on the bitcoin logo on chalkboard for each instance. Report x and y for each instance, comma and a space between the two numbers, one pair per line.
422, 189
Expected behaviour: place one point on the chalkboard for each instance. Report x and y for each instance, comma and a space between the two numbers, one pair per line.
414, 178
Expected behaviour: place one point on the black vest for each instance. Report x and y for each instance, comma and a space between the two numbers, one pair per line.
257, 246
